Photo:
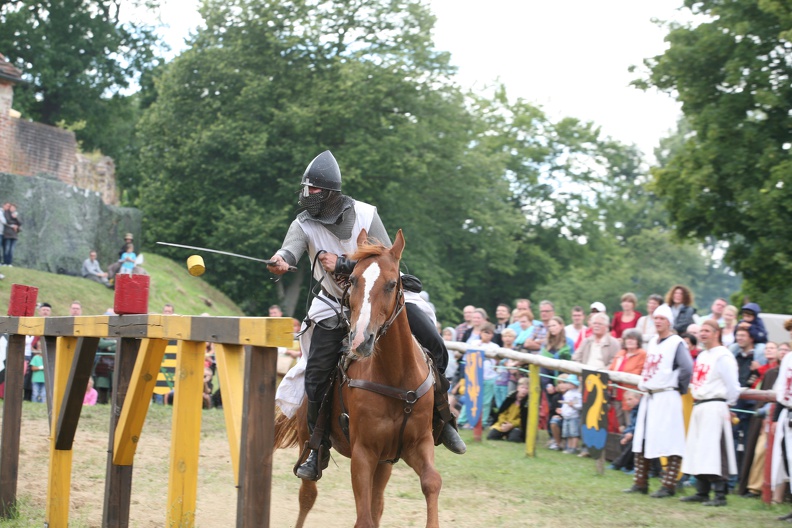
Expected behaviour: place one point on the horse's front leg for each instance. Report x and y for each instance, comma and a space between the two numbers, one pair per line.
421, 460
364, 464
308, 493
381, 476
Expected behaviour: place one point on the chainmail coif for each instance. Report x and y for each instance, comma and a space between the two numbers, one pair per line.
327, 207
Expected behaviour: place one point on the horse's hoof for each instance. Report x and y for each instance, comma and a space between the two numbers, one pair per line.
452, 441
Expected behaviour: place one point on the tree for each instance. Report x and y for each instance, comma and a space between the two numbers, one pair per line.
732, 177
77, 57
266, 86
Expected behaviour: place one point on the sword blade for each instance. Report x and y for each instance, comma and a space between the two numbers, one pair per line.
265, 261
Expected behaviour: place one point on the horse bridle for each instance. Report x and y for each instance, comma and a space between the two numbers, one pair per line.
394, 314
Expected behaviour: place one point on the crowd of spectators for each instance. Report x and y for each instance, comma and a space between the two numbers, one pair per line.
702, 360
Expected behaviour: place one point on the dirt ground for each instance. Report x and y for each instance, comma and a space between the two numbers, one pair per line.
216, 505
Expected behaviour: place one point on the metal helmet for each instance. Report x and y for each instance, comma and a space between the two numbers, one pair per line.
323, 173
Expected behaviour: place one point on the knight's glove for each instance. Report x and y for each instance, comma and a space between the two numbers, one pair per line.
344, 266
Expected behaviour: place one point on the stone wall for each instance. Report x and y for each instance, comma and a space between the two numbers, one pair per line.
61, 223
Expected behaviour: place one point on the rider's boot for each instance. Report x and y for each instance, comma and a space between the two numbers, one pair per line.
310, 469
442, 417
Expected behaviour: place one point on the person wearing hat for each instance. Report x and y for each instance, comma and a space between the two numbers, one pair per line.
327, 230
660, 428
571, 405
753, 323
715, 388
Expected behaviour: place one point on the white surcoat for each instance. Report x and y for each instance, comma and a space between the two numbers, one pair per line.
714, 377
660, 426
291, 390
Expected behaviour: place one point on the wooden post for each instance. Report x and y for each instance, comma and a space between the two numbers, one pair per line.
767, 485
118, 484
478, 428
231, 373
59, 480
74, 392
533, 411
12, 422
258, 437
135, 407
186, 434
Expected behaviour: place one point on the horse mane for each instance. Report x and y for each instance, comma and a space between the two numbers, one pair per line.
369, 249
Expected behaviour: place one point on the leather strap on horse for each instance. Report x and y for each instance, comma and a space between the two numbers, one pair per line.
409, 398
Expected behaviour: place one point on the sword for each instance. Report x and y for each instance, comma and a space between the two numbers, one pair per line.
265, 261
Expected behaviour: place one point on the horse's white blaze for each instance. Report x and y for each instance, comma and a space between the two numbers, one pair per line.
369, 277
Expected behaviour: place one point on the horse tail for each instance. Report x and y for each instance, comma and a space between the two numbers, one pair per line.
285, 431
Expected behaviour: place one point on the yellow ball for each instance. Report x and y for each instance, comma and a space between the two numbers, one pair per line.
195, 265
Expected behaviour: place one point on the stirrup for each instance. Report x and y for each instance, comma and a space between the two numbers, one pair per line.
452, 441
312, 468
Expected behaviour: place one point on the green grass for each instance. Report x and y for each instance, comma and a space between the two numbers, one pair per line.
494, 484
170, 283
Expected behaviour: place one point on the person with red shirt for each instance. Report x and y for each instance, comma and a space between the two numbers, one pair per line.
628, 317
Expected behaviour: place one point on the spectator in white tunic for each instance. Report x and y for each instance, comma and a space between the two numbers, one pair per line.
709, 454
660, 428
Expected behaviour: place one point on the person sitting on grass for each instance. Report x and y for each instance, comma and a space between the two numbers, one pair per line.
572, 404
625, 460
127, 260
512, 416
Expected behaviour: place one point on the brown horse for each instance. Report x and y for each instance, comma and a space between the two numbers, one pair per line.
382, 427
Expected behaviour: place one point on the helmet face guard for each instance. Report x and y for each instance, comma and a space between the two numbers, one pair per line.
323, 173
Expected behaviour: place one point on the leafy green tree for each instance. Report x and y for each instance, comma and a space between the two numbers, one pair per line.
266, 86
77, 56
731, 178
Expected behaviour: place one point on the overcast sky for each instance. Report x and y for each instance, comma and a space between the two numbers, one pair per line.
569, 56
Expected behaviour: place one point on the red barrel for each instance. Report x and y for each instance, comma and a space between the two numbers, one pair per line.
23, 301
131, 294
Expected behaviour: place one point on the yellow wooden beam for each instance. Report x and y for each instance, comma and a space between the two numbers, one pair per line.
231, 373
534, 402
91, 326
138, 398
32, 325
185, 434
59, 478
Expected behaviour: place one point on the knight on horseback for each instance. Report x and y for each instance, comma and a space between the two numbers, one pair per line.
328, 229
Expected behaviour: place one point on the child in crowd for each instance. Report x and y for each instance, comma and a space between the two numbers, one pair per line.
37, 368
128, 259
90, 394
572, 404
508, 336
512, 416
554, 403
487, 333
754, 324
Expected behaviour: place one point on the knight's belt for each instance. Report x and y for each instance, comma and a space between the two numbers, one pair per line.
655, 391
709, 400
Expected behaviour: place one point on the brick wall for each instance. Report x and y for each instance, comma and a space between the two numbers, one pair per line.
42, 150
35, 149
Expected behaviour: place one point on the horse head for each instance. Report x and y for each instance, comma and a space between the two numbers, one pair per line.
375, 296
